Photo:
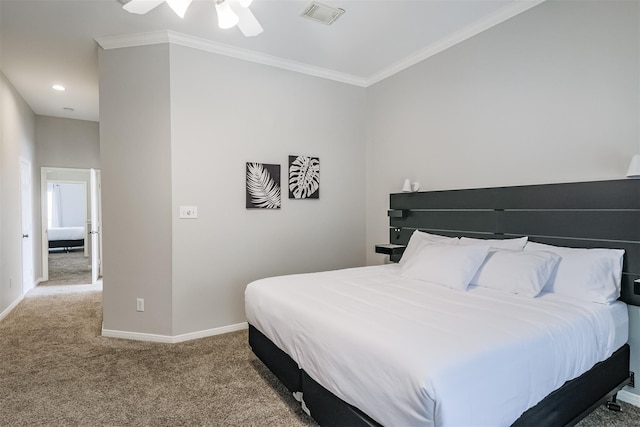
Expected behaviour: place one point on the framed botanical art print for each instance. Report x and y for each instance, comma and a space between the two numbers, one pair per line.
263, 186
304, 177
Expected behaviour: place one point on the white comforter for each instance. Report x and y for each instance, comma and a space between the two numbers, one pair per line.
411, 353
66, 233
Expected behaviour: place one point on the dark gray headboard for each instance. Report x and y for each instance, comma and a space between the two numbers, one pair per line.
603, 214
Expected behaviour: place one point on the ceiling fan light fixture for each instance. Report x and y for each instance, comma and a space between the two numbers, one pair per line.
179, 6
247, 24
140, 7
226, 17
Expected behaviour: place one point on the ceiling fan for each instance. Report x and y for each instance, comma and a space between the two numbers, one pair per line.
230, 12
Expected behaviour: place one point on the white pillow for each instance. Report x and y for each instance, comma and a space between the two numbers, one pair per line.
515, 244
448, 265
586, 274
418, 238
517, 272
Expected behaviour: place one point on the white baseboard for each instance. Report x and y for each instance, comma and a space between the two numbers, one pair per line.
11, 307
628, 397
137, 336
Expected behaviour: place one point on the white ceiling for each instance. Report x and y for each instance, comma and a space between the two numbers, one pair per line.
43, 42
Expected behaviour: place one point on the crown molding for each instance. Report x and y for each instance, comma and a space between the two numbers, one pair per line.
133, 40
492, 20
158, 37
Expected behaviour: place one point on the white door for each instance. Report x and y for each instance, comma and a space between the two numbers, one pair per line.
27, 225
96, 245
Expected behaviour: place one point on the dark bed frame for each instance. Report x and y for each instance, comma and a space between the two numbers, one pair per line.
66, 244
603, 214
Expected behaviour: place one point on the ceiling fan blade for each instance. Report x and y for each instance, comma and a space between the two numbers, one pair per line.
141, 6
179, 6
247, 23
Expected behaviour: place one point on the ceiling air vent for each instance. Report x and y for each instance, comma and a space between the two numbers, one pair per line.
322, 13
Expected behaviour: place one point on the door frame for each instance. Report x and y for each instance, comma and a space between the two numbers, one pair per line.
29, 257
44, 214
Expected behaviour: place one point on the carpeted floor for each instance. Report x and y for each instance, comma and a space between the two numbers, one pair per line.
56, 369
68, 268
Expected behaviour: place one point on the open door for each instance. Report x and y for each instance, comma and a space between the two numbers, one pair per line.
26, 190
96, 220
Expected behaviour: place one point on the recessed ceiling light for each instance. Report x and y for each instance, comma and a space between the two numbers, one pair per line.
59, 88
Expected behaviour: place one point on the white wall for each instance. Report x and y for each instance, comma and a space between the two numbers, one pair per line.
551, 95
17, 140
224, 113
135, 147
73, 175
72, 203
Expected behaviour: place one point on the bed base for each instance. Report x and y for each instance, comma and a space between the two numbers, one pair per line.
564, 407
66, 244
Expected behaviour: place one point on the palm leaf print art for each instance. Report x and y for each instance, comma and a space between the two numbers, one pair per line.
263, 191
304, 177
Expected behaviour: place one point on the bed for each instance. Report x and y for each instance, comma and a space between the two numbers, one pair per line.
66, 237
370, 346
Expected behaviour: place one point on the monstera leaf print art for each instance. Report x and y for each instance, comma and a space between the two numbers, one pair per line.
263, 186
304, 177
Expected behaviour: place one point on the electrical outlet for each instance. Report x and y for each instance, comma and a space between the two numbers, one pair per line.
140, 304
188, 212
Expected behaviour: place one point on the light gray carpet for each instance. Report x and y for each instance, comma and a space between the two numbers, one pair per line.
68, 268
56, 369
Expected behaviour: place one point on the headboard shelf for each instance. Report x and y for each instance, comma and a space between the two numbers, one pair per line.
602, 214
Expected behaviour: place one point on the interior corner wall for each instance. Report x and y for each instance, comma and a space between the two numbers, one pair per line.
17, 141
550, 95
227, 112
135, 148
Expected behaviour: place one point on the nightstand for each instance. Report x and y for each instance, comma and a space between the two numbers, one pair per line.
390, 249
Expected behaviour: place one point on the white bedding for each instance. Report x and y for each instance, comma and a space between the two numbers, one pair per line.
66, 233
411, 353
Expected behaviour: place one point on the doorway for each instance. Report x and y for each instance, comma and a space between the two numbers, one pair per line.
70, 226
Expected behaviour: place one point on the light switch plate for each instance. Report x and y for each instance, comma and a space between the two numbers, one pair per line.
188, 212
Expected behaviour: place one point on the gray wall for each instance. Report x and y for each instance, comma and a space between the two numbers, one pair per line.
73, 204
185, 140
224, 113
67, 143
17, 140
551, 95
135, 147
